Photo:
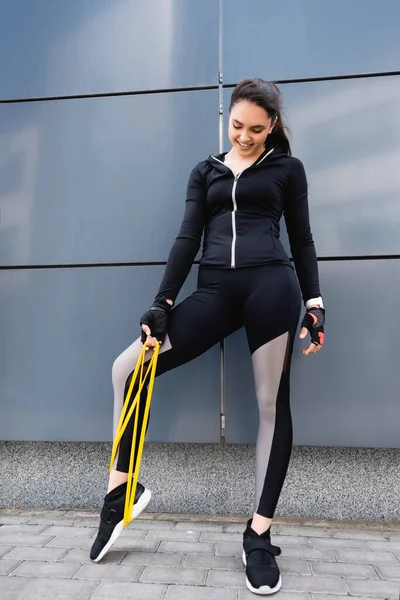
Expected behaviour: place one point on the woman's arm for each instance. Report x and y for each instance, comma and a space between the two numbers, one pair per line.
297, 220
187, 243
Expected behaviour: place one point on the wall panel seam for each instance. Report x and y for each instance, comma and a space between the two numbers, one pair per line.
331, 78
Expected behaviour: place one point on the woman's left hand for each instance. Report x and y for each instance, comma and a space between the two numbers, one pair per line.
313, 323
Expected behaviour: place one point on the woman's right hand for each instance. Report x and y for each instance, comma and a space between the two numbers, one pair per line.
147, 337
154, 323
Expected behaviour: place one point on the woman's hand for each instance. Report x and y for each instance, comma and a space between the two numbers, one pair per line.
154, 323
313, 323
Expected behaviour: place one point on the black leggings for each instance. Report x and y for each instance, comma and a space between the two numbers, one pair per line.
266, 301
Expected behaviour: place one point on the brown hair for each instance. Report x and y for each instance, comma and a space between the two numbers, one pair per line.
267, 95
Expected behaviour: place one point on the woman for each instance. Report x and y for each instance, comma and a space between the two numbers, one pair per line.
245, 279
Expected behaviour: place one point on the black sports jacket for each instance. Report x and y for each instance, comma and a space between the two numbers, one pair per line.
240, 220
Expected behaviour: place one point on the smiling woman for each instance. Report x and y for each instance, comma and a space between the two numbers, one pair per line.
249, 126
256, 117
236, 199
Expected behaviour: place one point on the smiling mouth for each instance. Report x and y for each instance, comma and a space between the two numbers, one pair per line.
244, 145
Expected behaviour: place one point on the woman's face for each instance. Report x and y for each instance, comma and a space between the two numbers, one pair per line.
249, 125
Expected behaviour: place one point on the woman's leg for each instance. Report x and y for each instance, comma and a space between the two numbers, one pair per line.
197, 324
271, 316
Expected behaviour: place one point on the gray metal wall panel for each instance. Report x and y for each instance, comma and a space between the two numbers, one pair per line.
55, 48
348, 394
293, 39
347, 135
99, 179
61, 330
352, 159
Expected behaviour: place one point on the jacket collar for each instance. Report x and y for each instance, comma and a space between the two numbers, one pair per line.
269, 152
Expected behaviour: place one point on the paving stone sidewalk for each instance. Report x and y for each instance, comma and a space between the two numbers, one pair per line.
44, 555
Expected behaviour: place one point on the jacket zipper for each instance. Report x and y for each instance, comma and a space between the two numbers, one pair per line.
234, 203
233, 247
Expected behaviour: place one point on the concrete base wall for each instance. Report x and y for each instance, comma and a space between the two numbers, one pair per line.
327, 483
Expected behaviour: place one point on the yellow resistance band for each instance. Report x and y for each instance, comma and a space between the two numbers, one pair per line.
124, 420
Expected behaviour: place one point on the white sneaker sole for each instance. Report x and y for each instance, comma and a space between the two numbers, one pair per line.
137, 509
264, 590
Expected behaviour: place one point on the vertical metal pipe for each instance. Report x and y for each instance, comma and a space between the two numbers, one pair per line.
221, 149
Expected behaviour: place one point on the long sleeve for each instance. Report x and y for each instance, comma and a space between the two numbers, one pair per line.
188, 241
297, 220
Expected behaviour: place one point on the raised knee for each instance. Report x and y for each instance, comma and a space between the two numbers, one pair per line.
119, 371
125, 363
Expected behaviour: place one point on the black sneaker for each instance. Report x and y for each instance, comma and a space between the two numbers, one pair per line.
262, 572
112, 518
